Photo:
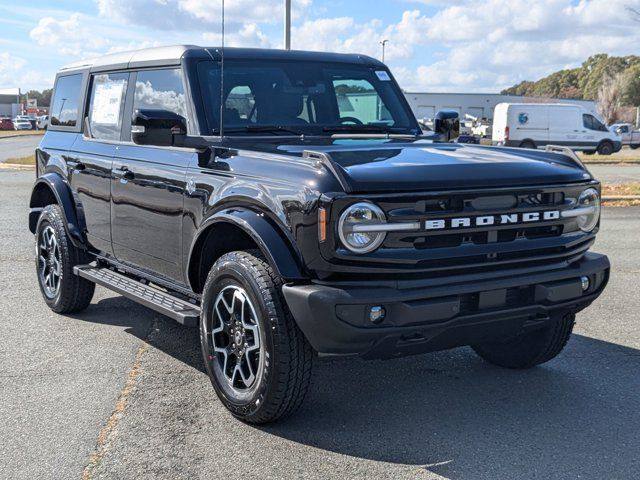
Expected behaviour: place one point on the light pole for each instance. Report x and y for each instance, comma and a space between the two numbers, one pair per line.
383, 43
287, 24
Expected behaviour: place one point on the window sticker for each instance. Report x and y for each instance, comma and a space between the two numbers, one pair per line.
383, 75
106, 103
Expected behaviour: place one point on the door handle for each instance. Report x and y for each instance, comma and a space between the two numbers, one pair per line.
124, 172
76, 165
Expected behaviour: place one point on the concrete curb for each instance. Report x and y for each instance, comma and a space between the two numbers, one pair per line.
15, 166
612, 198
23, 135
612, 164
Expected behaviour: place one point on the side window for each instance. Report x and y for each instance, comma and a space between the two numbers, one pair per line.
160, 90
592, 123
587, 121
108, 93
64, 108
358, 99
240, 106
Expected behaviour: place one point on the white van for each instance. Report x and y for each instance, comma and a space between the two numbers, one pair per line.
534, 125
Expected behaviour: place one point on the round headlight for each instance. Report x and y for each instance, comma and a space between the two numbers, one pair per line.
356, 227
590, 201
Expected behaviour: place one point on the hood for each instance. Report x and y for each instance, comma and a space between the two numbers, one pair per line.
427, 166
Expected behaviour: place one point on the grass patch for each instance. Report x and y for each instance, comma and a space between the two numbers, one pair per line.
623, 156
13, 133
621, 189
28, 160
616, 189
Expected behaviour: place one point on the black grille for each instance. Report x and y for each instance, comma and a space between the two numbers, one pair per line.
479, 247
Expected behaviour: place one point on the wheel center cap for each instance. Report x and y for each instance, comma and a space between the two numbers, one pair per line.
237, 337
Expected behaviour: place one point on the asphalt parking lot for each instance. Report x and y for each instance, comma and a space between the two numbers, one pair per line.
17, 147
119, 392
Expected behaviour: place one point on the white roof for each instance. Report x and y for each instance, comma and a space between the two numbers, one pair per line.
126, 59
9, 91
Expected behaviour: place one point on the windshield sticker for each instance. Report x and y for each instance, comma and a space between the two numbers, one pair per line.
106, 103
383, 75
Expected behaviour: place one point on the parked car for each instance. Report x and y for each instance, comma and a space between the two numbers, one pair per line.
43, 122
21, 124
628, 135
300, 223
6, 123
535, 125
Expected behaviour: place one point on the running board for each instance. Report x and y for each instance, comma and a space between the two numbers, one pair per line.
162, 302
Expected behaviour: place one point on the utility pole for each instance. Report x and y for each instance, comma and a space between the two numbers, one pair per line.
287, 24
383, 43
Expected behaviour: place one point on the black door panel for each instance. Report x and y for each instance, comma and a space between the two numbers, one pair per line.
89, 166
147, 192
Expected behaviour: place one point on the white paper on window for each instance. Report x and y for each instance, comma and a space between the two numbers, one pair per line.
107, 99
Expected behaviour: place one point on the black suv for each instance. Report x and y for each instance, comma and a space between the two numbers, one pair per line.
288, 204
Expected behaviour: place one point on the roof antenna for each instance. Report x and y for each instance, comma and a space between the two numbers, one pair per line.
222, 80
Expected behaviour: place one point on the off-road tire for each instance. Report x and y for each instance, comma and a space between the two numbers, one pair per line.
530, 349
282, 384
605, 148
74, 293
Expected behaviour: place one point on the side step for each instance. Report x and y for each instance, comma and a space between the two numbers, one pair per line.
153, 298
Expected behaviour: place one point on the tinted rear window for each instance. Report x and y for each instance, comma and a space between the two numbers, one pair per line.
64, 109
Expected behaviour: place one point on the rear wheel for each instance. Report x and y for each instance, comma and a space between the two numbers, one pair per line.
56, 256
256, 357
528, 144
633, 147
605, 148
530, 349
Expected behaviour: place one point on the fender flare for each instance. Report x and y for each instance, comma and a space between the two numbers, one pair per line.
277, 248
60, 189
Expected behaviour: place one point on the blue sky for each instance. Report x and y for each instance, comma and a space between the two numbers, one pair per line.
434, 45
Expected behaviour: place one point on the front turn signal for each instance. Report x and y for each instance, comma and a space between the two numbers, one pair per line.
322, 224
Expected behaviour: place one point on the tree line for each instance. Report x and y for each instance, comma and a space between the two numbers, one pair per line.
613, 82
43, 97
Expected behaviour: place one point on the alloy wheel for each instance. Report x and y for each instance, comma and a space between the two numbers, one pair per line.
49, 261
235, 337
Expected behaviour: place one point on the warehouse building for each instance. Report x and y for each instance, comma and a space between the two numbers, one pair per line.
9, 102
481, 105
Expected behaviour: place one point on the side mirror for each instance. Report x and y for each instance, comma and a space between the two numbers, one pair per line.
156, 127
447, 125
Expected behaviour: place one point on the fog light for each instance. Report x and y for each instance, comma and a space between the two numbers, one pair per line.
376, 314
585, 283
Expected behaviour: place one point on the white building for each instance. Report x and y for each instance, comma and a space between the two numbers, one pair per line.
9, 102
481, 105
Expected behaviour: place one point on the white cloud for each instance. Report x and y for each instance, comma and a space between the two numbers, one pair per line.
199, 15
434, 45
483, 46
249, 35
15, 72
74, 36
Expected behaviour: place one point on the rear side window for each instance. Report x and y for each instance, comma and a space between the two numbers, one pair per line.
160, 90
64, 108
108, 92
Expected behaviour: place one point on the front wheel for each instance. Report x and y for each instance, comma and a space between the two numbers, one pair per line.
605, 148
256, 357
529, 349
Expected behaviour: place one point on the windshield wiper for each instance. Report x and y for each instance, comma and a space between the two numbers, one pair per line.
357, 129
263, 129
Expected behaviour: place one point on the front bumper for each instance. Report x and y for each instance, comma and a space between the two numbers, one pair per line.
436, 314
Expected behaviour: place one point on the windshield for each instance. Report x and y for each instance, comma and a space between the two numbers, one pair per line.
313, 98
